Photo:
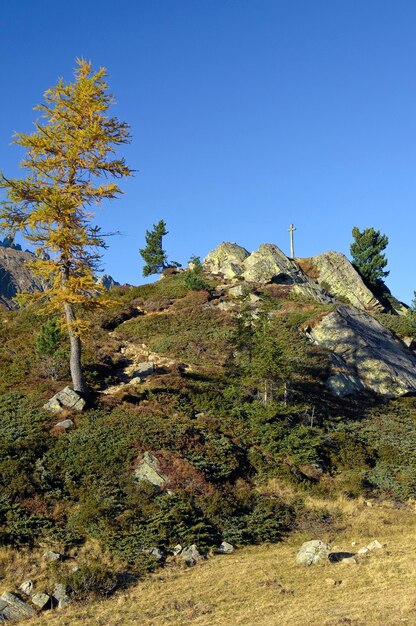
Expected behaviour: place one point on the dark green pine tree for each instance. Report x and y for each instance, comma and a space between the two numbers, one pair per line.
153, 254
367, 255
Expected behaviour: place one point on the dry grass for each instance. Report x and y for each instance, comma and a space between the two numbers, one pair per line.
264, 586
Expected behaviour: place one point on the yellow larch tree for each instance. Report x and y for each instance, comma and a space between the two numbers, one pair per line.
71, 165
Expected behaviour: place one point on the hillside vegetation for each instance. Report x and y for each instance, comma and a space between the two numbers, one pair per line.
236, 406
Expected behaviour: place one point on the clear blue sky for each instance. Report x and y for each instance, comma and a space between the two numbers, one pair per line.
246, 115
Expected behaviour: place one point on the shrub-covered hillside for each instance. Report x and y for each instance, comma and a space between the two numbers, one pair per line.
236, 397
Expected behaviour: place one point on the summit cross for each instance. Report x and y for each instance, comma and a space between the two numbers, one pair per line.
292, 245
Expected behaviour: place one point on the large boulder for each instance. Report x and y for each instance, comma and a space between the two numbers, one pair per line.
226, 259
65, 399
149, 470
333, 271
311, 552
373, 355
270, 264
13, 608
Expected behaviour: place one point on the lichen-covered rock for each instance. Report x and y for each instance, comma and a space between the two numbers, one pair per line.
225, 548
13, 608
378, 359
67, 398
312, 552
226, 259
269, 263
52, 556
333, 271
41, 600
149, 470
60, 597
190, 555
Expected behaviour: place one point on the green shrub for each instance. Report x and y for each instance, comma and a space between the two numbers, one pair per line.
91, 579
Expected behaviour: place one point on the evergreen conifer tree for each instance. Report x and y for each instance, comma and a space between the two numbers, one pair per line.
153, 254
367, 255
67, 154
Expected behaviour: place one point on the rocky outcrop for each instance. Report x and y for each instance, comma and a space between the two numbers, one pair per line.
334, 272
371, 356
226, 259
16, 276
265, 265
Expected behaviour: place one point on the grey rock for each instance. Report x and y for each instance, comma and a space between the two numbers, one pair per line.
334, 271
67, 398
363, 551
225, 548
65, 424
226, 259
26, 587
154, 552
190, 555
177, 549
350, 560
149, 470
60, 597
143, 370
51, 556
13, 608
312, 552
374, 545
377, 358
41, 600
343, 380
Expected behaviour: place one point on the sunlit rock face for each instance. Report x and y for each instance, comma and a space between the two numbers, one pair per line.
334, 272
374, 357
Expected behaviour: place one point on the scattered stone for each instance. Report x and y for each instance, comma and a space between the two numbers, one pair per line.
143, 370
60, 597
177, 549
363, 551
353, 543
312, 552
349, 561
374, 545
225, 548
26, 587
67, 398
149, 470
332, 581
41, 600
190, 555
52, 556
65, 424
368, 503
154, 552
13, 608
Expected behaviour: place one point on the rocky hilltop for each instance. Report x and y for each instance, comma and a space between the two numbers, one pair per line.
364, 354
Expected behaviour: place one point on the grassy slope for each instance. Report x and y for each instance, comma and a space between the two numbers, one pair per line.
241, 588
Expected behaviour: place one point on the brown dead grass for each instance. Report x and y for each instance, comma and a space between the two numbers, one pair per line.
264, 586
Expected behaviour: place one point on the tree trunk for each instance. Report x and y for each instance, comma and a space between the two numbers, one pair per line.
75, 355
